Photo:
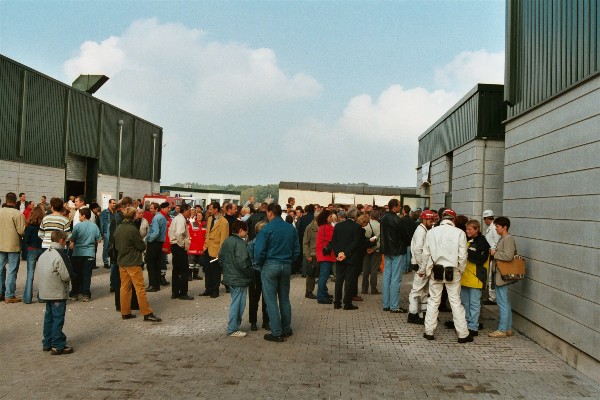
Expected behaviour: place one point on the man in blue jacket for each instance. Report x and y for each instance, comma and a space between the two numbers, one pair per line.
276, 247
105, 217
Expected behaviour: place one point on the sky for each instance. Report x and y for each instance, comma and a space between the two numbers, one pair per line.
257, 92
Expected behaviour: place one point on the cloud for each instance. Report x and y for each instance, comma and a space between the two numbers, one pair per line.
154, 60
469, 68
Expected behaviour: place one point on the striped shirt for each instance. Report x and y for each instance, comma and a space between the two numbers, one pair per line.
52, 223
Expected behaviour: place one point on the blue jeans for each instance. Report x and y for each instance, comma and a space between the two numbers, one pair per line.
392, 279
407, 257
471, 301
324, 272
9, 279
32, 257
505, 321
105, 259
54, 319
236, 309
276, 284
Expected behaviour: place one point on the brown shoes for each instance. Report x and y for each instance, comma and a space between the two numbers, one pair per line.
498, 334
15, 299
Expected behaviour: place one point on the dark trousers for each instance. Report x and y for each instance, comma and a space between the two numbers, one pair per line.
212, 275
180, 271
254, 293
154, 256
354, 274
343, 272
82, 267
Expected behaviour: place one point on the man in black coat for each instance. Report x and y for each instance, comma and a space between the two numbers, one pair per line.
301, 225
345, 242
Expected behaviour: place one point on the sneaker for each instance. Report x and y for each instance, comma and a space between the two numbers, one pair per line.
57, 352
152, 318
509, 332
237, 334
87, 299
400, 310
14, 299
498, 334
74, 298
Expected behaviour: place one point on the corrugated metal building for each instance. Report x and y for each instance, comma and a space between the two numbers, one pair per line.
60, 141
461, 156
552, 170
335, 193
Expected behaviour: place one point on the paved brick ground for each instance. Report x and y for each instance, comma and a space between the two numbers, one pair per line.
333, 354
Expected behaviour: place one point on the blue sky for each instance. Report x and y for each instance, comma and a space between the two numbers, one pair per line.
258, 92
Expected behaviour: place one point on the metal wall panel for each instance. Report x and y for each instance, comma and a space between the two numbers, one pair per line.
142, 162
10, 90
45, 105
83, 125
550, 46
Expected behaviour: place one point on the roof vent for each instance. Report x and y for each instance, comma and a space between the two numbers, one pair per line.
90, 83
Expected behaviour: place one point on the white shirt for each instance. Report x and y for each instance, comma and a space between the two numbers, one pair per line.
445, 245
76, 217
416, 246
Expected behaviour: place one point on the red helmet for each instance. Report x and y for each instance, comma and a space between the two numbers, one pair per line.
428, 214
448, 212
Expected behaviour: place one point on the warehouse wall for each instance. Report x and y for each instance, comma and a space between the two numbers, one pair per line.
130, 187
552, 197
439, 176
33, 180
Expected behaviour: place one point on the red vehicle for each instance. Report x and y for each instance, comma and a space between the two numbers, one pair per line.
173, 201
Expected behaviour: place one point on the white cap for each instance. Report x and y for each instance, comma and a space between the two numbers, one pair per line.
488, 213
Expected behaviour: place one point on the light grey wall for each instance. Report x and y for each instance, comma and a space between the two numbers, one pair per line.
552, 196
130, 187
475, 186
33, 180
439, 177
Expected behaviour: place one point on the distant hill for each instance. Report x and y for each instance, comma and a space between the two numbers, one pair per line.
260, 192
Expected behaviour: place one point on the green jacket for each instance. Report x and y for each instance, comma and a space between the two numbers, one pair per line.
129, 245
235, 259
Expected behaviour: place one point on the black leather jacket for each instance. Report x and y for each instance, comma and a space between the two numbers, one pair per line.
394, 235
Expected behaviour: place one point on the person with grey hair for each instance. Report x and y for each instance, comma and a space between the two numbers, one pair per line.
345, 243
373, 258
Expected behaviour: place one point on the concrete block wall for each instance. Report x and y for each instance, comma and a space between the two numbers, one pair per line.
439, 177
552, 196
130, 187
475, 186
33, 180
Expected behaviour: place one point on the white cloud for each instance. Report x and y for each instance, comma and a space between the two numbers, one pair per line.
154, 60
469, 68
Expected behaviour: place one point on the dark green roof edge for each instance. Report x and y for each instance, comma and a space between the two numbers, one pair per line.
480, 87
192, 190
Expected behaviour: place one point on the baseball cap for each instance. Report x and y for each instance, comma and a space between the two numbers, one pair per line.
488, 213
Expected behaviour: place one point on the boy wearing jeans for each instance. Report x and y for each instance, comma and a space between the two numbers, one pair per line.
54, 272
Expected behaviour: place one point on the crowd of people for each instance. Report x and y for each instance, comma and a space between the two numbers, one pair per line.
254, 252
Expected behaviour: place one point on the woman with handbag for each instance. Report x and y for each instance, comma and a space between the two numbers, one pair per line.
325, 256
505, 251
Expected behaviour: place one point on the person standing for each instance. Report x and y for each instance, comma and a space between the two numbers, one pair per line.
155, 239
179, 237
106, 217
492, 238
276, 248
394, 240
373, 258
445, 250
217, 232
84, 237
326, 259
255, 288
237, 274
417, 299
34, 250
54, 275
309, 252
129, 247
506, 250
197, 230
345, 242
12, 229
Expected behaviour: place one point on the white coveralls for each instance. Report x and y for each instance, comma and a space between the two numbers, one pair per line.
417, 299
445, 245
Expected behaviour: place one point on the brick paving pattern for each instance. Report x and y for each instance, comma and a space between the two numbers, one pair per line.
333, 354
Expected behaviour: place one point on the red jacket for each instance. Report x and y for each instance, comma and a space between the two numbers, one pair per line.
148, 215
166, 248
323, 238
197, 237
